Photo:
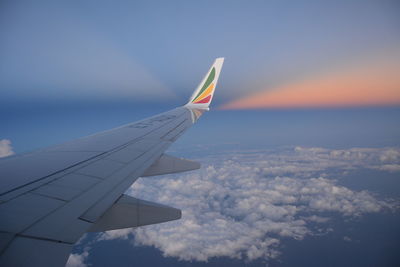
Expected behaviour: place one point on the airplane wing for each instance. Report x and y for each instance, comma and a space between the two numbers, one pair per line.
51, 197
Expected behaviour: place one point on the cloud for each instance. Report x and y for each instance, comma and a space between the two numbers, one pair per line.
77, 260
386, 159
390, 155
5, 148
115, 234
390, 167
347, 239
241, 206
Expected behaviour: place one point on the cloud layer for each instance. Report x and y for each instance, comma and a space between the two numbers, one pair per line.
241, 206
5, 148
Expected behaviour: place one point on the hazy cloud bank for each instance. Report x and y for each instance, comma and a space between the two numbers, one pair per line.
5, 148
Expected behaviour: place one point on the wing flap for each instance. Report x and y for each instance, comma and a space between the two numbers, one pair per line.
130, 212
168, 164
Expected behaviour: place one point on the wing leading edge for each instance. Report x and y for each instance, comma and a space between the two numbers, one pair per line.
50, 198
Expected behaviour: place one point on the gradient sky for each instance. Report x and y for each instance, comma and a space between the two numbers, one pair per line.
73, 68
373, 83
152, 51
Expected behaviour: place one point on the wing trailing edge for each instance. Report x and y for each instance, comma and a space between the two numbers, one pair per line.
130, 212
168, 164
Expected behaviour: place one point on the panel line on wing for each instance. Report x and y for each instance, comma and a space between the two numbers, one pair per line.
162, 137
47, 196
43, 238
92, 215
99, 156
102, 189
47, 176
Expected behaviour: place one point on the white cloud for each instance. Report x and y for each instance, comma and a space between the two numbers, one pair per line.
5, 148
390, 155
241, 206
120, 234
77, 260
385, 159
317, 219
390, 167
365, 157
347, 239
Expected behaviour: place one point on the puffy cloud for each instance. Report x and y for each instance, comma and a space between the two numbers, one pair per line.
317, 219
241, 206
77, 260
121, 234
5, 148
390, 155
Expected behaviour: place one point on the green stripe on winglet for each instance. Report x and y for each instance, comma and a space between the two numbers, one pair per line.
208, 82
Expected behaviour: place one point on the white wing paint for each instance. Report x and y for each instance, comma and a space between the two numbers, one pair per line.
50, 198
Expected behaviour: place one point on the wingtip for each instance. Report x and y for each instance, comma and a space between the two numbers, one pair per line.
203, 95
219, 60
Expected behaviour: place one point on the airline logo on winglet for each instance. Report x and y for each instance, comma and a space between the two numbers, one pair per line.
202, 97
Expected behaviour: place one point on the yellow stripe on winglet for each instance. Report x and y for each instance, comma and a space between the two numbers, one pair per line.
205, 93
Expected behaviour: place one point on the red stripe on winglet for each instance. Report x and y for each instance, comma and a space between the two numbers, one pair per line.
204, 100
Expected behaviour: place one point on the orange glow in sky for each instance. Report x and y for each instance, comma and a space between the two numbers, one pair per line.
376, 84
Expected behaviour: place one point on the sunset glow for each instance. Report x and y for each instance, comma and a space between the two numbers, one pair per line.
376, 84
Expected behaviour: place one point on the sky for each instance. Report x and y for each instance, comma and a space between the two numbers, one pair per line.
154, 51
300, 151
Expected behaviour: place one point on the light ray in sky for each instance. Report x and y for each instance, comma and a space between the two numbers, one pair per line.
374, 84
59, 54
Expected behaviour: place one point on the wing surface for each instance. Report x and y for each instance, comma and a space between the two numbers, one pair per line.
50, 198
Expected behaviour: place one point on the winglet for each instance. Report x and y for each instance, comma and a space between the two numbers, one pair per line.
203, 95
